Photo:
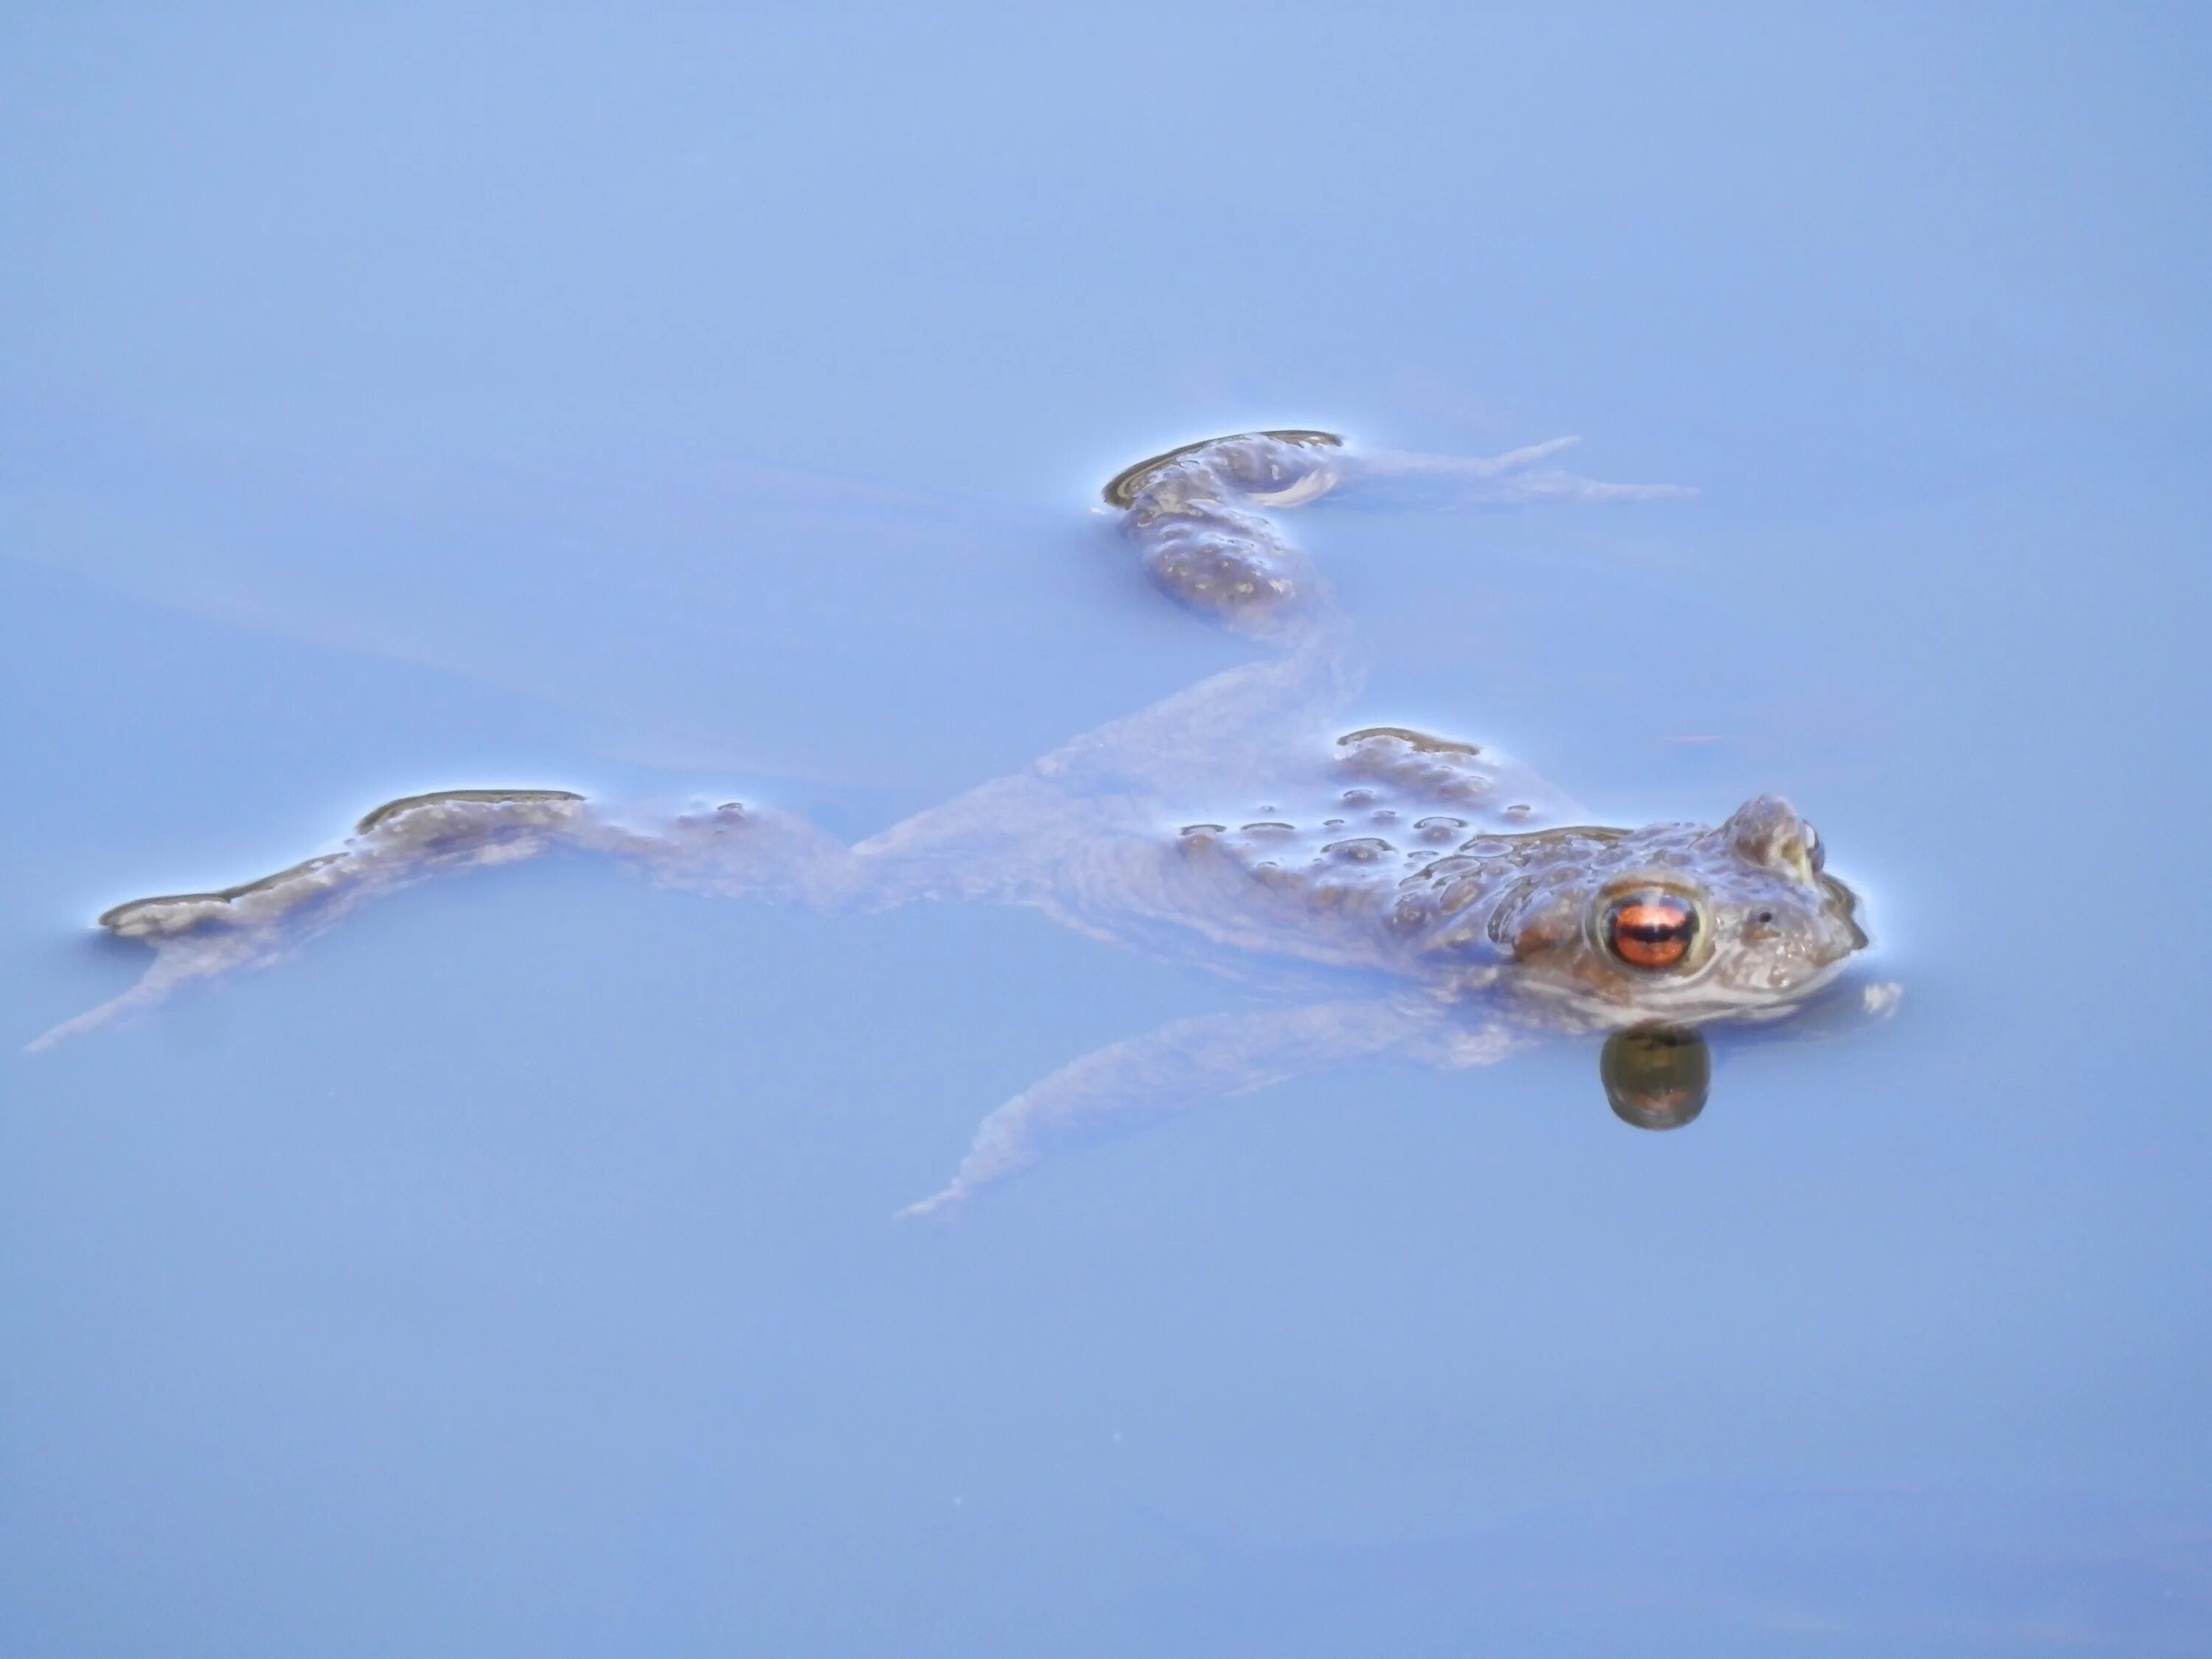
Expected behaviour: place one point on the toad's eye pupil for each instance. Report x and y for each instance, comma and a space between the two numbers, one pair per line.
1651, 930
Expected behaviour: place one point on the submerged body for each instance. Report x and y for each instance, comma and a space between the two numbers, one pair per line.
1463, 908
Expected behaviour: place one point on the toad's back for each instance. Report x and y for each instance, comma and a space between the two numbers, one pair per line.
1347, 864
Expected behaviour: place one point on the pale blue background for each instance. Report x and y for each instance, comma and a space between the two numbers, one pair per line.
651, 400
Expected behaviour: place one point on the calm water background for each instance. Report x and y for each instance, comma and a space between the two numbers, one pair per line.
671, 400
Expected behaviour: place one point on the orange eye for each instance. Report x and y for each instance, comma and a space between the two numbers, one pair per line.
1651, 930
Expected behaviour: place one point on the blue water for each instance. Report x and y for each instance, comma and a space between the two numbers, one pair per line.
650, 403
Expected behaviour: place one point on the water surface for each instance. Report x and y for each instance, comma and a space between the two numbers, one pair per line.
657, 404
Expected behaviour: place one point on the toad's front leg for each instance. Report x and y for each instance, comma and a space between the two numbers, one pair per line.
1188, 1062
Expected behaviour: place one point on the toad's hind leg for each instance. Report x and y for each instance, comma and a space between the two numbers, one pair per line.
1200, 514
1203, 515
731, 850
1203, 518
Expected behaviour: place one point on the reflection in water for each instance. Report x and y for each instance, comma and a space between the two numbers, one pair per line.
1462, 905
1656, 1076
